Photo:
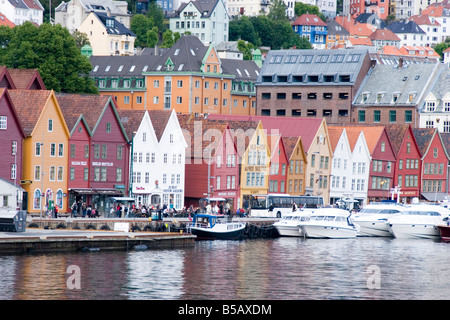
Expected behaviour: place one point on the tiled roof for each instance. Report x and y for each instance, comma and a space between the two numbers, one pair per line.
334, 134
396, 133
361, 30
372, 134
75, 105
334, 28
405, 27
4, 21
131, 120
25, 78
289, 145
309, 20
205, 7
423, 138
288, 127
383, 34
159, 119
29, 105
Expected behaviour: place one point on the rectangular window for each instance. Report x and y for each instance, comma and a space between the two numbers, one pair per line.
3, 122
392, 116
60, 150
52, 149
376, 116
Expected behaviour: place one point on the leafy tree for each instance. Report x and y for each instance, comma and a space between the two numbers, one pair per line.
246, 48
440, 47
302, 8
81, 39
277, 11
152, 37
168, 40
140, 24
53, 51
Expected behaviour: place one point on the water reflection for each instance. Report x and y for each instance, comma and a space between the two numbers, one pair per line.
283, 268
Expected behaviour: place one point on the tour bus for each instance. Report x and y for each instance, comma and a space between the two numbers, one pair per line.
277, 205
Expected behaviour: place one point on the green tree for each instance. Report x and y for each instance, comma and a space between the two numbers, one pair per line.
152, 37
440, 47
168, 40
81, 39
246, 48
53, 51
277, 11
140, 24
302, 8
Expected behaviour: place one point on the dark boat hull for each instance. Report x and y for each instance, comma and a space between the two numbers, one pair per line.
444, 232
211, 235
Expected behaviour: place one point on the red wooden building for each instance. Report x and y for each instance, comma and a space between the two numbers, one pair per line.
99, 150
408, 161
278, 165
434, 157
11, 140
381, 174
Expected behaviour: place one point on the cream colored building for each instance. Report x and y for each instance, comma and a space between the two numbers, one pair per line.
107, 35
71, 14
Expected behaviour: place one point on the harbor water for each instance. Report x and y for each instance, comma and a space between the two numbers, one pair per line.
272, 269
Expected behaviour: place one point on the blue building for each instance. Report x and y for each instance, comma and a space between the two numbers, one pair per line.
313, 28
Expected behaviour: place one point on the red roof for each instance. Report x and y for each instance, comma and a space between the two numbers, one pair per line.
4, 21
287, 126
309, 20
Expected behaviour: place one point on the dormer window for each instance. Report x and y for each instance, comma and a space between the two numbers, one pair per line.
395, 97
379, 97
365, 96
110, 23
431, 106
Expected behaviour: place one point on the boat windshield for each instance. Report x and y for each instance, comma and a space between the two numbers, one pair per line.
422, 213
378, 210
259, 202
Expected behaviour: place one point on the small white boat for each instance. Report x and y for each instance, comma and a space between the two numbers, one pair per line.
211, 226
418, 221
372, 218
288, 226
329, 223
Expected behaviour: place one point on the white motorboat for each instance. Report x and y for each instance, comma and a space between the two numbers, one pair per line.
329, 223
211, 226
288, 226
372, 218
418, 221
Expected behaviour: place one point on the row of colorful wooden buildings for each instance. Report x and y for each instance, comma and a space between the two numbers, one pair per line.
64, 148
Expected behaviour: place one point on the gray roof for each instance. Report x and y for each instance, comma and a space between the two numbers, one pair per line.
18, 4
405, 27
385, 81
95, 5
122, 66
440, 87
343, 65
186, 54
371, 18
243, 70
117, 28
205, 7
334, 28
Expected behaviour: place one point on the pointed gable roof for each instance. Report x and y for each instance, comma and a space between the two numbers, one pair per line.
6, 81
28, 79
396, 133
131, 120
288, 127
186, 54
4, 94
335, 134
29, 105
424, 137
159, 119
309, 20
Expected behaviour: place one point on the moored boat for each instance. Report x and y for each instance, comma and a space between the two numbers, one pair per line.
288, 226
372, 218
211, 227
330, 223
444, 231
418, 221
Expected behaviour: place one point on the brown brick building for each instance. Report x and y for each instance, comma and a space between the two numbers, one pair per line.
311, 83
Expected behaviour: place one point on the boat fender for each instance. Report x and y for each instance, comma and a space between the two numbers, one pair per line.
91, 226
61, 226
135, 228
105, 227
140, 247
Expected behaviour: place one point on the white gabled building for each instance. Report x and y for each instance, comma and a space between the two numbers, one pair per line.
350, 166
206, 19
157, 157
340, 180
20, 11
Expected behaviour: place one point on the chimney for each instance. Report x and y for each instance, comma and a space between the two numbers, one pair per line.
400, 62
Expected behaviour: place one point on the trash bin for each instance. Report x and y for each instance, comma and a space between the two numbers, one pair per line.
13, 220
